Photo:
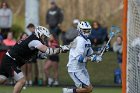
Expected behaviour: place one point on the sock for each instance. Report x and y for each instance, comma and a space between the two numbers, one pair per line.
30, 82
50, 80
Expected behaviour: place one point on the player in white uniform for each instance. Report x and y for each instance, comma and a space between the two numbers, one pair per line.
80, 52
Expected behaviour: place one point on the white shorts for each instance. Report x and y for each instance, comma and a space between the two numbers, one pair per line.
16, 76
80, 78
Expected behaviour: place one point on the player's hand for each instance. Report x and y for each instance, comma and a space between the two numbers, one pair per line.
96, 58
64, 48
42, 55
93, 58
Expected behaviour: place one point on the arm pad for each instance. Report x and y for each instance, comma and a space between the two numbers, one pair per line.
52, 51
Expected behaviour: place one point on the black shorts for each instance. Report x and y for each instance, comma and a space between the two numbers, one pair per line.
9, 68
54, 58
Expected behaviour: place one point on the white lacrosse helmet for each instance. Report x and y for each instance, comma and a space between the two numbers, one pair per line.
84, 28
42, 31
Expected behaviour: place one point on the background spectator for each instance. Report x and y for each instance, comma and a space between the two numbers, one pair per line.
31, 27
29, 65
27, 70
9, 41
54, 19
98, 34
71, 33
117, 47
22, 37
52, 62
5, 18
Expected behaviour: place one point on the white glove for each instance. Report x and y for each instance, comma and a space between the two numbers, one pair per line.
96, 58
64, 48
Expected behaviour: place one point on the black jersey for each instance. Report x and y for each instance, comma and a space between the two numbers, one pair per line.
22, 52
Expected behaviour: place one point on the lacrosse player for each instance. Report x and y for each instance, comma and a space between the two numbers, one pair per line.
80, 52
22, 51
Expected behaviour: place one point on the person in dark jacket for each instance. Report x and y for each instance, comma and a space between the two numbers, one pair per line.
54, 18
98, 34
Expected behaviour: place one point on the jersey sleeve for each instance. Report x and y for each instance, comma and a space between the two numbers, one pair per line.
34, 44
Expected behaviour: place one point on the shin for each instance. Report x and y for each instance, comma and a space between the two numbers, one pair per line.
20, 83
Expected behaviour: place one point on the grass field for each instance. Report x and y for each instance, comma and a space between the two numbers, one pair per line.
5, 89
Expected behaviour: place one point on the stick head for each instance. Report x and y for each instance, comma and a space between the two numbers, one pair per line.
114, 30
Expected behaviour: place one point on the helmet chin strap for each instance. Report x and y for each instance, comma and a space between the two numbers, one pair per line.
84, 36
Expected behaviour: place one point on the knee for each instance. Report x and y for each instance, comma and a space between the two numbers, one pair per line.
46, 68
2, 79
22, 81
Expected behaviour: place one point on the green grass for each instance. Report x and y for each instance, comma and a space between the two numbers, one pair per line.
4, 89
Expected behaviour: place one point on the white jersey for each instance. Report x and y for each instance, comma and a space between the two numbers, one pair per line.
80, 46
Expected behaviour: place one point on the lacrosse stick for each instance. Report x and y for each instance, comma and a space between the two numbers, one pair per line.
113, 31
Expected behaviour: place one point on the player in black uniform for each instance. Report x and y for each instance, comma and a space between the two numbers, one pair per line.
22, 51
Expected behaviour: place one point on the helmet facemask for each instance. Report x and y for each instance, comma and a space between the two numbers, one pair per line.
84, 28
44, 39
86, 32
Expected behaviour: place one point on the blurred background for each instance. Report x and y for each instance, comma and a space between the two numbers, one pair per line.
61, 17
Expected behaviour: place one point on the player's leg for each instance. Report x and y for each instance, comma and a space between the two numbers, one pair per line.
9, 68
86, 86
55, 68
82, 83
48, 65
85, 89
29, 73
19, 85
24, 70
19, 77
36, 73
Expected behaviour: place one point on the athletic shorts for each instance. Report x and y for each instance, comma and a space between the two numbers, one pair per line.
9, 69
54, 58
80, 78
